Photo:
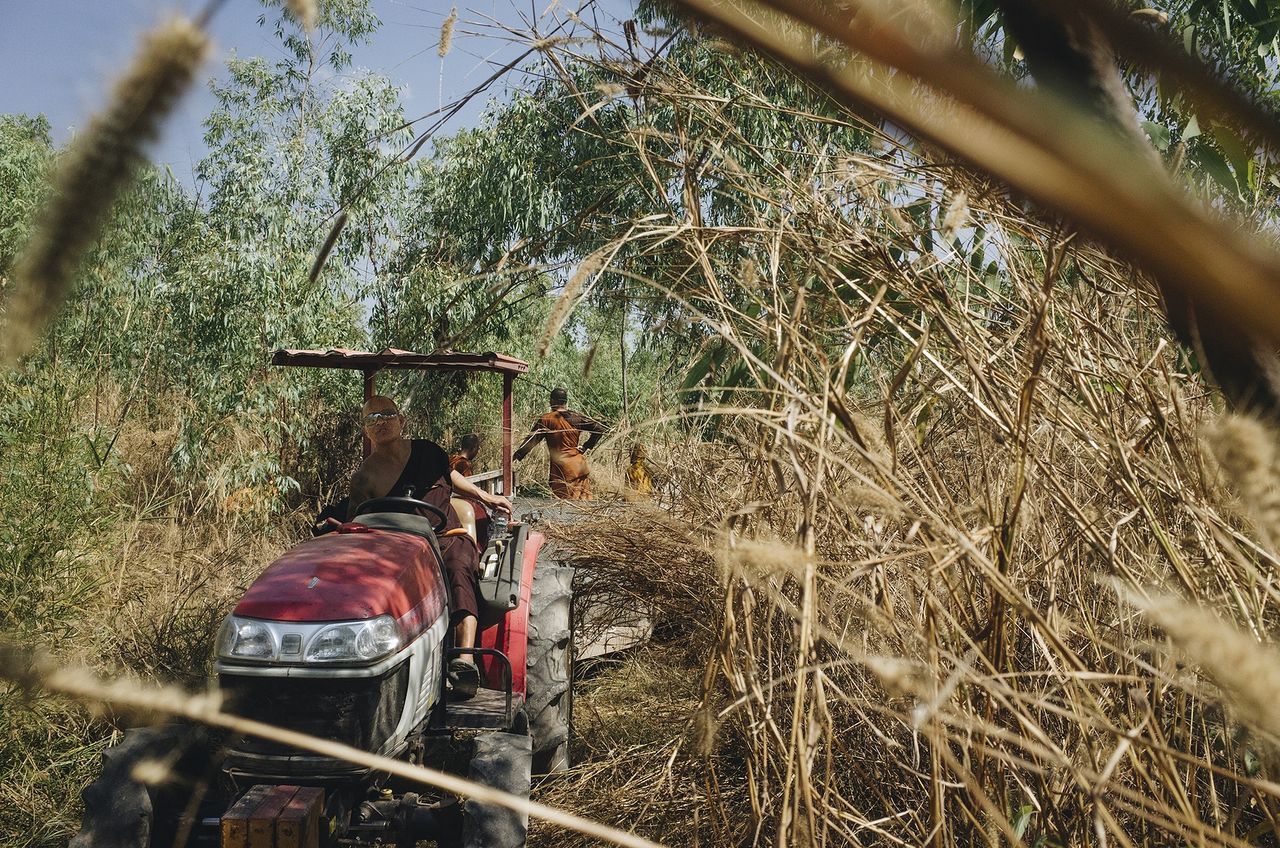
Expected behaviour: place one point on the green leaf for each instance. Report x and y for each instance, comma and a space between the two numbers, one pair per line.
1216, 167
698, 372
1021, 819
1158, 133
1233, 147
1191, 130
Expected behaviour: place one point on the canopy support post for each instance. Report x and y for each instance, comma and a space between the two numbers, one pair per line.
370, 389
508, 468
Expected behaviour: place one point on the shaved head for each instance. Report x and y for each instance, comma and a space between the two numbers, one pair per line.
379, 403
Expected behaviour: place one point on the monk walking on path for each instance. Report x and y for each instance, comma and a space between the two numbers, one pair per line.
561, 429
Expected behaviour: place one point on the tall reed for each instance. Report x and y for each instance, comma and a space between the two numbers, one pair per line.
92, 174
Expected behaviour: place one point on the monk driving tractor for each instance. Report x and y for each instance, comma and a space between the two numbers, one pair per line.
561, 428
419, 468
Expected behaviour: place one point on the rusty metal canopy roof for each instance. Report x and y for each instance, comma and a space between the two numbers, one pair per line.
391, 358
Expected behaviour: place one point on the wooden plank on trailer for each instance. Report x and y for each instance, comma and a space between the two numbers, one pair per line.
262, 824
298, 825
235, 821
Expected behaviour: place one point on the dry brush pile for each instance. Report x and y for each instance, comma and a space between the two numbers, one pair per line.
958, 477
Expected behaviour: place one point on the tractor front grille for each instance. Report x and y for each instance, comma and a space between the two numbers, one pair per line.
362, 711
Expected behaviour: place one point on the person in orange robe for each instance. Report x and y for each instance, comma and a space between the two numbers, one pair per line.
561, 429
639, 482
461, 462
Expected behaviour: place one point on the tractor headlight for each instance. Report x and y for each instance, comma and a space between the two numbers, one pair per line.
354, 641
245, 638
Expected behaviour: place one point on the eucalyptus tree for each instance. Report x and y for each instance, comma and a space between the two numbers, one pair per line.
291, 142
26, 155
601, 154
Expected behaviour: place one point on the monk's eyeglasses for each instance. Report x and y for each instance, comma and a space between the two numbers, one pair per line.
378, 417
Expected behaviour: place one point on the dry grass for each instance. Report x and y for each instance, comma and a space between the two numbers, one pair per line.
632, 740
884, 583
891, 564
42, 674
159, 590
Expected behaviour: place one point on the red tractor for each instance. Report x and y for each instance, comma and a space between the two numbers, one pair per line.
346, 637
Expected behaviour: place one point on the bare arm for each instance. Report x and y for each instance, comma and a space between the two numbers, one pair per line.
465, 487
530, 441
361, 491
591, 426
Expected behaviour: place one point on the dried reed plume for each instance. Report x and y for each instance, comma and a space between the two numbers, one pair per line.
1245, 450
446, 32
41, 674
882, 559
761, 559
587, 271
1248, 671
875, 566
92, 174
957, 216
305, 12
327, 247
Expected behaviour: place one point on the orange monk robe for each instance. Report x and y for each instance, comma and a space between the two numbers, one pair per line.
638, 479
561, 429
459, 463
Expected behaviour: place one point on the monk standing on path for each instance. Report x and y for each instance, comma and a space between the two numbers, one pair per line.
561, 428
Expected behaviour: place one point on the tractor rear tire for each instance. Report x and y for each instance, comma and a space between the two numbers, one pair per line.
121, 811
549, 671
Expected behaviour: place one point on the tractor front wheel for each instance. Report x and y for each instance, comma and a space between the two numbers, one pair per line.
139, 799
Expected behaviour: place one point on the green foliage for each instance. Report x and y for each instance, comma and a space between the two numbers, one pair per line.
203, 289
55, 498
24, 170
1236, 39
167, 339
570, 167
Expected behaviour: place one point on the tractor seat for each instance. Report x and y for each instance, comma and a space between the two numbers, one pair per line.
399, 521
466, 516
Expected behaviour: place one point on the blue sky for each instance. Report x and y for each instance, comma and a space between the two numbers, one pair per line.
59, 57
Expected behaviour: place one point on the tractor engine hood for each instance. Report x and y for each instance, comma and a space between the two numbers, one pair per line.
357, 573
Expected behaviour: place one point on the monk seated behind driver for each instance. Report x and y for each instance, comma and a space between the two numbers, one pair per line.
397, 466
461, 462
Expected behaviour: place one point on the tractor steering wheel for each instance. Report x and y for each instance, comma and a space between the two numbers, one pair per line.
405, 505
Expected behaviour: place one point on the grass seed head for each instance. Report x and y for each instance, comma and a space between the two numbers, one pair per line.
706, 728
564, 304
1245, 449
1248, 671
305, 12
762, 559
957, 216
446, 32
95, 171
